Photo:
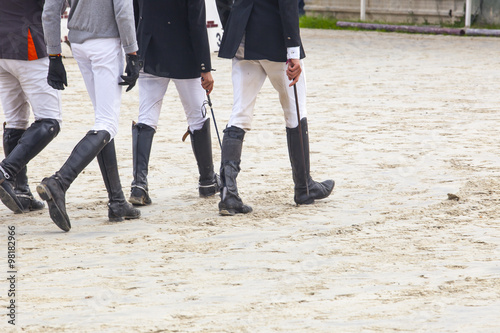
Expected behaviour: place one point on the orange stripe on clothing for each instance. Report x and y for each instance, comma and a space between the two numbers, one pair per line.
31, 47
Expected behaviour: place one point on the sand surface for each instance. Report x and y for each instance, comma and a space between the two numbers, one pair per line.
397, 120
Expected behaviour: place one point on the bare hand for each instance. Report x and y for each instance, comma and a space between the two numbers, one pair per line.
207, 82
293, 71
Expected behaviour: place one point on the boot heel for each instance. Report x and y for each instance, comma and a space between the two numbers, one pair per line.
117, 211
44, 192
113, 218
56, 202
9, 198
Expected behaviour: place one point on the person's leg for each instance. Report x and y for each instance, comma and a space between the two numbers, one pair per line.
193, 98
46, 104
232, 144
248, 78
106, 58
14, 101
99, 61
276, 71
152, 89
11, 137
118, 207
53, 189
44, 100
306, 189
16, 111
20, 82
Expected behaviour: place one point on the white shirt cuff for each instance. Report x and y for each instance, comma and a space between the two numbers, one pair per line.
293, 52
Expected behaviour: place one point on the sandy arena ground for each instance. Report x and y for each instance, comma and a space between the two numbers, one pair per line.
397, 120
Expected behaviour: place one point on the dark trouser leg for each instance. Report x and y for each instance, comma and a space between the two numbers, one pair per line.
53, 189
13, 167
142, 140
300, 168
118, 207
201, 142
232, 144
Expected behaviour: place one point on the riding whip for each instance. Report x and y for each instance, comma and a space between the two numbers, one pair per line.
213, 117
301, 138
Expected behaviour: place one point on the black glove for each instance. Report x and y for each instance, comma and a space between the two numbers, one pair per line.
57, 74
132, 70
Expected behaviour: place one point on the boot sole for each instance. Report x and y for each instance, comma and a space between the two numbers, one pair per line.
207, 191
115, 219
121, 218
9, 201
227, 212
137, 201
232, 211
57, 216
207, 194
310, 201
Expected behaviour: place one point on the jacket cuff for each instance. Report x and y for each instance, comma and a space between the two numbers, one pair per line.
205, 68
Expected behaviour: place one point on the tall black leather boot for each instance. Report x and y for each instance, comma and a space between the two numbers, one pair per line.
142, 140
232, 143
201, 142
53, 189
30, 144
300, 168
28, 202
118, 207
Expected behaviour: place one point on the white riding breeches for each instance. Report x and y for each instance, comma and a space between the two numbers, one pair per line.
24, 83
101, 63
153, 88
248, 77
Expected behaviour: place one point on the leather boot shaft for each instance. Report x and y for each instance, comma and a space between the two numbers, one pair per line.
83, 153
11, 137
31, 143
142, 140
306, 189
299, 159
20, 147
201, 142
232, 144
109, 170
118, 207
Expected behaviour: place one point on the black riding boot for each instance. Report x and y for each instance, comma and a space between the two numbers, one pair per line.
53, 189
209, 181
142, 140
232, 143
11, 137
300, 168
118, 207
32, 142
